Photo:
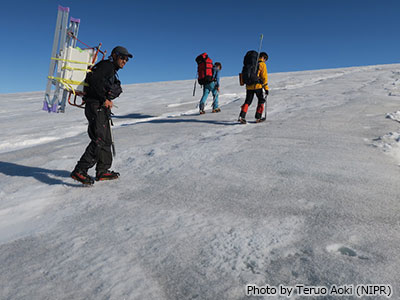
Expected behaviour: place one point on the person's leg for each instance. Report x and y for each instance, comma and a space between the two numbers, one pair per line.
98, 152
105, 158
206, 91
89, 157
260, 105
104, 164
215, 94
247, 103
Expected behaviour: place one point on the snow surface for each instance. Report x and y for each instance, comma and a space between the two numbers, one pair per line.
204, 205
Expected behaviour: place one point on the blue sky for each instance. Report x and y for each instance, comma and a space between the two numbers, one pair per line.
166, 36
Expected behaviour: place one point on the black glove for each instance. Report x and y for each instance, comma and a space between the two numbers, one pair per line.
266, 92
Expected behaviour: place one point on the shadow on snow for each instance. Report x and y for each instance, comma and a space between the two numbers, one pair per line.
40, 174
133, 116
174, 120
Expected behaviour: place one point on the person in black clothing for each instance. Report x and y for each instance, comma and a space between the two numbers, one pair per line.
103, 87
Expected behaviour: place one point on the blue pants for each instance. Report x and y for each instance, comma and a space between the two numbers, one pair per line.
209, 87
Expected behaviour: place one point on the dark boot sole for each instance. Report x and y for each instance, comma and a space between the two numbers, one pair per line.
105, 179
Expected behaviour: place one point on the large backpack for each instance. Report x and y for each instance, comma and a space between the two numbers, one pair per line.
204, 69
250, 68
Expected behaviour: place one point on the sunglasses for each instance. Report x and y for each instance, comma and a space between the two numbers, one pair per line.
124, 57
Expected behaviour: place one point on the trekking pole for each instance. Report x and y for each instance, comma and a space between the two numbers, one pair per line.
194, 88
259, 48
258, 57
110, 122
112, 137
266, 109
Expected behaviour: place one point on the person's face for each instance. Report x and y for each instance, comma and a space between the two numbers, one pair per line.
122, 60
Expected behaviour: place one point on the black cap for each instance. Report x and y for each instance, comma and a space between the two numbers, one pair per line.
119, 50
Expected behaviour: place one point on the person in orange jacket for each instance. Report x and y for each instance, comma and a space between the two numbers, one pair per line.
257, 89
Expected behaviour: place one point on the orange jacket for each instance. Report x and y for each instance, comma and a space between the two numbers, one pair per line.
263, 75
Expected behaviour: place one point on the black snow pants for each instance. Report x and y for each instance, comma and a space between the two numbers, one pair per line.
98, 152
249, 99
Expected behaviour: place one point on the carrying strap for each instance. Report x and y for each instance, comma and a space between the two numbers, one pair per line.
72, 61
75, 69
67, 83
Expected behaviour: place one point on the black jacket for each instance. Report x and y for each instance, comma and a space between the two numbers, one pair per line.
103, 82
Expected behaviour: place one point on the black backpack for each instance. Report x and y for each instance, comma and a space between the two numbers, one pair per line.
250, 68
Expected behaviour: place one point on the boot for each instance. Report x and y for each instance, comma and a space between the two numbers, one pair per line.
82, 177
107, 175
242, 120
201, 108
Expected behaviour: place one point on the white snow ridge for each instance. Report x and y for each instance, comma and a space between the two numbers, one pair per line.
390, 143
394, 116
205, 206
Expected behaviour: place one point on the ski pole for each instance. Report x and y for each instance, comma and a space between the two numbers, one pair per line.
194, 88
266, 107
258, 56
112, 137
110, 123
259, 48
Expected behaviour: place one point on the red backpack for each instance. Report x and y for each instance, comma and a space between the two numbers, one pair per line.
204, 69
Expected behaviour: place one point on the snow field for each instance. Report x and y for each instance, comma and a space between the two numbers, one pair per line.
204, 205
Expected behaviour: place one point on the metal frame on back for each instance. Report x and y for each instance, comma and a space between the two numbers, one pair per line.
62, 84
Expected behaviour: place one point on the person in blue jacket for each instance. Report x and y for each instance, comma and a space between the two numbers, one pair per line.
212, 87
